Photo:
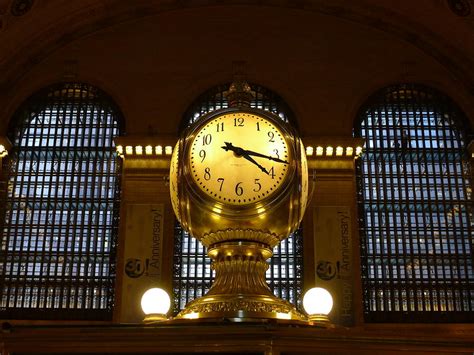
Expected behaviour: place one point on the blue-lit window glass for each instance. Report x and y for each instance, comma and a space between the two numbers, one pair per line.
415, 208
60, 207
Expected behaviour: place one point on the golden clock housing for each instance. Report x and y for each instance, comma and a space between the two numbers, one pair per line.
239, 185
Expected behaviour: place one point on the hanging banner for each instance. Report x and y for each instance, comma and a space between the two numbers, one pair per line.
333, 259
143, 255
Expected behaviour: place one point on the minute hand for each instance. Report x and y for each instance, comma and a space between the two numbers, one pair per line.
255, 154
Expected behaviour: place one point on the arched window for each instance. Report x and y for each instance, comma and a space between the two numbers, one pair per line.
192, 274
415, 208
61, 205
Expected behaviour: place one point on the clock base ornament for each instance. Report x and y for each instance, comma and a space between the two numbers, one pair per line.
239, 291
239, 185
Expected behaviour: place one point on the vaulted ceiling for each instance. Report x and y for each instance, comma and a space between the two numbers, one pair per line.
191, 45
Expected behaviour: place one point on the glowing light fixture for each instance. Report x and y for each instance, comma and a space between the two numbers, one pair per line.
148, 150
317, 302
339, 151
139, 150
168, 150
309, 151
319, 151
129, 149
329, 150
155, 304
158, 150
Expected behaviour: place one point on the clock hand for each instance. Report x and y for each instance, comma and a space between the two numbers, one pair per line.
240, 152
243, 153
249, 152
250, 159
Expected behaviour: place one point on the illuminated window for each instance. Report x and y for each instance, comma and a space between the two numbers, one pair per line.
415, 205
61, 207
192, 274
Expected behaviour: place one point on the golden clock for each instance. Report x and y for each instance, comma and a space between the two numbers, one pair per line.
239, 184
239, 169
239, 158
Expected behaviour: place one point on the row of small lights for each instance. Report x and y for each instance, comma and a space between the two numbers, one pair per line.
330, 151
141, 150
168, 150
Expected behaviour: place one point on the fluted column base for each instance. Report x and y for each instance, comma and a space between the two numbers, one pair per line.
240, 291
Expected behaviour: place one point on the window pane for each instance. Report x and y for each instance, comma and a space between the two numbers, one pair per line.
416, 208
57, 255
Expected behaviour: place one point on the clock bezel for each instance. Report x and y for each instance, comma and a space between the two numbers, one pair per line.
289, 135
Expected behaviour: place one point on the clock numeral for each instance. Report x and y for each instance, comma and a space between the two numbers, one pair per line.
258, 126
276, 153
202, 155
221, 180
271, 172
271, 135
239, 122
239, 189
259, 185
206, 139
220, 126
207, 174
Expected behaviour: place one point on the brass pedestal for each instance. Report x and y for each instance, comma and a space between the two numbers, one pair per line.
239, 291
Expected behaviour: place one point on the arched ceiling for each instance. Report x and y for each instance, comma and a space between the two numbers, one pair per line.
47, 25
31, 32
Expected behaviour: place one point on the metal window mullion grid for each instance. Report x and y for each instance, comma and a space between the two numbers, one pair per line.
370, 242
457, 211
22, 258
53, 265
385, 231
400, 301
39, 253
378, 193
438, 210
421, 224
444, 205
57, 154
386, 121
97, 196
17, 252
423, 262
72, 215
409, 234
104, 186
63, 161
430, 183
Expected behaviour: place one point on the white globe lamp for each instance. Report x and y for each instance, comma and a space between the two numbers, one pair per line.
317, 303
155, 304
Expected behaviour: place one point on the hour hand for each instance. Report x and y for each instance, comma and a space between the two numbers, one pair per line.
237, 150
243, 153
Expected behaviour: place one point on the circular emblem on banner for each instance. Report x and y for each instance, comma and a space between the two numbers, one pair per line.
325, 270
134, 268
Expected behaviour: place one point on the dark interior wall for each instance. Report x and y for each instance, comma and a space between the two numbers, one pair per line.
324, 66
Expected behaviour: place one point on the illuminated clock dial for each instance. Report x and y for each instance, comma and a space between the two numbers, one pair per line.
239, 158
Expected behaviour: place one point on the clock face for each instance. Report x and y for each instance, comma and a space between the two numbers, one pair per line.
239, 158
